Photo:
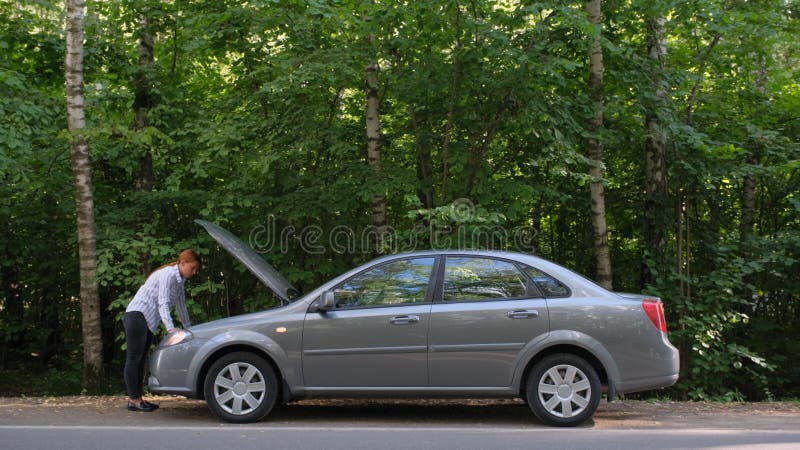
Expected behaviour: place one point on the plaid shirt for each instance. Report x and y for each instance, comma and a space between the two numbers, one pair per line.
163, 288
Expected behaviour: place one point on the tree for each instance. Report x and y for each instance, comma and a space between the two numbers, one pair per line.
595, 145
143, 99
84, 202
373, 128
655, 202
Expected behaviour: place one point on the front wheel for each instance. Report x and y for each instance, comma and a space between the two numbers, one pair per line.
241, 387
563, 390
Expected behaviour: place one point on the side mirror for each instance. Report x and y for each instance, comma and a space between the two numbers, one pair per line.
326, 302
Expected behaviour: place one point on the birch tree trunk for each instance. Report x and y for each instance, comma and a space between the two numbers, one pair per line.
655, 203
595, 150
374, 149
84, 202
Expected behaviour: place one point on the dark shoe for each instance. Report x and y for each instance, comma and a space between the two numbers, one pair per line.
152, 405
141, 407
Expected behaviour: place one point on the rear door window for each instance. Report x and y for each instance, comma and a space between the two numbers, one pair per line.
475, 278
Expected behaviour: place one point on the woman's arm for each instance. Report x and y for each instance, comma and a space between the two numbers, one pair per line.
165, 281
180, 307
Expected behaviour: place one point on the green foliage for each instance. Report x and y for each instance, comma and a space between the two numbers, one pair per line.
457, 225
256, 118
34, 381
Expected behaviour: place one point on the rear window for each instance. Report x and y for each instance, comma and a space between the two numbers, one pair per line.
549, 286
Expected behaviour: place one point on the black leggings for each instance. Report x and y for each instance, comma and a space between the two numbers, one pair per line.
138, 339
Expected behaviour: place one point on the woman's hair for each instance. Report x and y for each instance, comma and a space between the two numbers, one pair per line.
187, 255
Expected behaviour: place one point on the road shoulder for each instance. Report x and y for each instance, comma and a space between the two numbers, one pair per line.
181, 412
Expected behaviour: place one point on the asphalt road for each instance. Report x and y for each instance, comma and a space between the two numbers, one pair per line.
396, 437
103, 423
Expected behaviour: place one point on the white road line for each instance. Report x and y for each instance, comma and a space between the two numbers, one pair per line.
267, 428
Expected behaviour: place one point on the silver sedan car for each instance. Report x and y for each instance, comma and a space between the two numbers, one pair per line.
424, 324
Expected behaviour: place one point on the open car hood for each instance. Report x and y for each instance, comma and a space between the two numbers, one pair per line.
252, 260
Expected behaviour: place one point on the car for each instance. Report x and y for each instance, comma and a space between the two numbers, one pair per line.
424, 324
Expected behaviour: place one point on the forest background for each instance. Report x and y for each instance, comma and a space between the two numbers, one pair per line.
328, 131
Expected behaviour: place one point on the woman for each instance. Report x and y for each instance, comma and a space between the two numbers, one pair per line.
164, 287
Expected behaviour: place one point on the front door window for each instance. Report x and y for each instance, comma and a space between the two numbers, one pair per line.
395, 283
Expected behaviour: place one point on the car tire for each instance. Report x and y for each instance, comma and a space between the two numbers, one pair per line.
241, 387
563, 390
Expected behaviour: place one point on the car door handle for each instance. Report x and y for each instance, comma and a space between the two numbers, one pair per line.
522, 314
403, 320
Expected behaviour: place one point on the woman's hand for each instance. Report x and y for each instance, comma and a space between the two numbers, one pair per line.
176, 336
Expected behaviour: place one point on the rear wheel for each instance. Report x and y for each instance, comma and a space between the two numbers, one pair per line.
563, 390
241, 387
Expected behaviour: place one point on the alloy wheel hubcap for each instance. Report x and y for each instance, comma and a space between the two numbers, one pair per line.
564, 391
239, 388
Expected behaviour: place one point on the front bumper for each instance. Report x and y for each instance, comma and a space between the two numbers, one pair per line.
171, 370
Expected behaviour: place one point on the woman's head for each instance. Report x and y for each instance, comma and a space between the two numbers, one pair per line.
188, 263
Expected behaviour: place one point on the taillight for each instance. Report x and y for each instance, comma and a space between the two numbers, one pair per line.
655, 311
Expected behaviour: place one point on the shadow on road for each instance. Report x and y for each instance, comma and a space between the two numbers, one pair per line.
428, 413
